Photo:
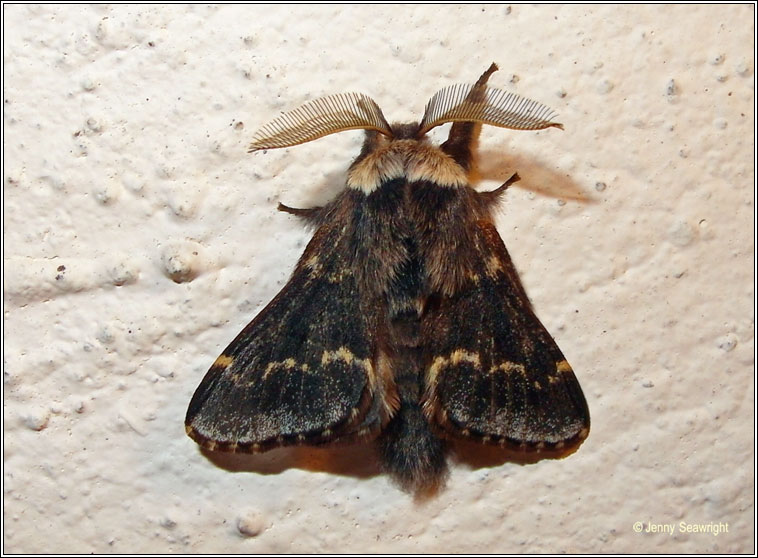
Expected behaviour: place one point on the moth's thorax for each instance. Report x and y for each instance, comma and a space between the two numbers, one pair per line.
408, 158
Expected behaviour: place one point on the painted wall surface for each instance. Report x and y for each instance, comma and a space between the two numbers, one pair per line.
139, 237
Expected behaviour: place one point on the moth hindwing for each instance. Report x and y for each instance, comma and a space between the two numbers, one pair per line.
404, 320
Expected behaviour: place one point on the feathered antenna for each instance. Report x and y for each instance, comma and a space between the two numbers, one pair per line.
487, 105
320, 117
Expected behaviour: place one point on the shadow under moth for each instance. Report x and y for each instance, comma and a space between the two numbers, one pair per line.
404, 320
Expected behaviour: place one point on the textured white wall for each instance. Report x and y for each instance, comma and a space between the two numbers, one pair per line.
125, 161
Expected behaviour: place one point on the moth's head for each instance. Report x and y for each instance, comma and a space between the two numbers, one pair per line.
403, 131
354, 111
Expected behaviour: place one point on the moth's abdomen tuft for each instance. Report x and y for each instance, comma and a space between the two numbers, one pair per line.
411, 453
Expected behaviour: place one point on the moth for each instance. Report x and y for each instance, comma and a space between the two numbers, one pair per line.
404, 320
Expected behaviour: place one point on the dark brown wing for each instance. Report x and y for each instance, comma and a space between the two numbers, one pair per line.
306, 370
494, 373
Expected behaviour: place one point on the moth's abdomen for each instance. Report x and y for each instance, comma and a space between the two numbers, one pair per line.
410, 452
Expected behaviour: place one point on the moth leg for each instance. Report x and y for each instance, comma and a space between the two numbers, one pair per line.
493, 196
460, 141
313, 215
